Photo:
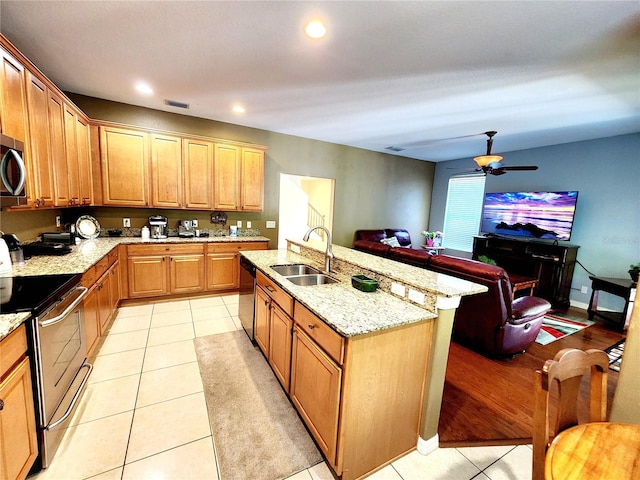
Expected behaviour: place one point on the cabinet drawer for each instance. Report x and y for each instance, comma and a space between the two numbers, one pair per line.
226, 247
89, 277
13, 348
165, 249
101, 266
330, 341
281, 297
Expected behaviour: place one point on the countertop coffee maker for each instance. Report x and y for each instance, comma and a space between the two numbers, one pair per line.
158, 226
186, 228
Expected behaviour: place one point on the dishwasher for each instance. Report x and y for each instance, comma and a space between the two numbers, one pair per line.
246, 305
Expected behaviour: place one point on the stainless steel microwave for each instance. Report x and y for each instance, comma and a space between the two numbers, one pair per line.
13, 173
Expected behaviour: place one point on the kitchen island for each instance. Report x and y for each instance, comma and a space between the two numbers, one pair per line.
364, 370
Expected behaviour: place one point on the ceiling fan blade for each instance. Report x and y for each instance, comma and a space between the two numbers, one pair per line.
521, 168
427, 143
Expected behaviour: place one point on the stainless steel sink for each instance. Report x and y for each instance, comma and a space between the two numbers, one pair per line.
312, 279
295, 269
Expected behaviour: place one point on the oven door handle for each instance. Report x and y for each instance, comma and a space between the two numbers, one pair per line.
74, 399
83, 292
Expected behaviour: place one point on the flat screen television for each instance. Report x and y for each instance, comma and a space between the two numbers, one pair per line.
544, 215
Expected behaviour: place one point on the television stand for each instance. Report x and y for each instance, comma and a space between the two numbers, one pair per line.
550, 263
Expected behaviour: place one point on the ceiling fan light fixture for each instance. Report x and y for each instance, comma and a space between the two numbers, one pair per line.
485, 160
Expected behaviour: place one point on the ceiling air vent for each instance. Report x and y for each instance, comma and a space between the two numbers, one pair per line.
173, 103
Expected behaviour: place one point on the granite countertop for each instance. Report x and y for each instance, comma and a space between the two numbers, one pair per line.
348, 311
85, 255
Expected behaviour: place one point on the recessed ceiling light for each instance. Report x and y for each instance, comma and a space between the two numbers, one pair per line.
144, 88
315, 29
238, 109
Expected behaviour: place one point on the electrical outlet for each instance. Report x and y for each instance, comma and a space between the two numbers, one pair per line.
397, 289
295, 248
271, 224
239, 223
416, 296
126, 222
58, 221
248, 224
583, 289
195, 223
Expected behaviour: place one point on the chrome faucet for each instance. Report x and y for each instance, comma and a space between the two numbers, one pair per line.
328, 254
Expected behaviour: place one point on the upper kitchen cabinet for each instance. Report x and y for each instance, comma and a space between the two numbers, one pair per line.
239, 178
13, 98
166, 171
85, 174
198, 173
42, 191
58, 150
124, 156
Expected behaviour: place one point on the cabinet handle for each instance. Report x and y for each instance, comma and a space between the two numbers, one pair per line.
270, 288
311, 327
1, 404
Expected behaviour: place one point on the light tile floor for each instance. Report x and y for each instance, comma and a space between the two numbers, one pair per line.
143, 414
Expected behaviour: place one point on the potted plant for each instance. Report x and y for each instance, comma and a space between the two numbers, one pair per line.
634, 270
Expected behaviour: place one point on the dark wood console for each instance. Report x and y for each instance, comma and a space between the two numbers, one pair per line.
551, 264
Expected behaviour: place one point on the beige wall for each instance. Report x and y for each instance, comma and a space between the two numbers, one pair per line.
373, 190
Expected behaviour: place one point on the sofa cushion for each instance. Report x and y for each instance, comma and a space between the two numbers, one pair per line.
371, 235
375, 248
392, 242
417, 258
403, 236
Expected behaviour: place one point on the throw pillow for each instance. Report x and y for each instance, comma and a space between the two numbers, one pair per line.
392, 241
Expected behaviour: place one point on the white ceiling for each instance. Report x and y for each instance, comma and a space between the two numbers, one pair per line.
387, 73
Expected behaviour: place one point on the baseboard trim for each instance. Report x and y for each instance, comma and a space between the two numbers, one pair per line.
425, 447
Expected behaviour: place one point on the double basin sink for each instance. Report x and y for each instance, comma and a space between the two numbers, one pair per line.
303, 275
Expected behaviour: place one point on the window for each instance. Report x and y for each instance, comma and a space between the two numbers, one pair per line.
462, 212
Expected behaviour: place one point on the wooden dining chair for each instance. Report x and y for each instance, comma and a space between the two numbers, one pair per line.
566, 370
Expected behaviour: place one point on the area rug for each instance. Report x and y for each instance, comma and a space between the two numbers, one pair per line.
557, 326
615, 353
256, 431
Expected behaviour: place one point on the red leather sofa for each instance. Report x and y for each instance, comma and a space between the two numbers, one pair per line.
490, 323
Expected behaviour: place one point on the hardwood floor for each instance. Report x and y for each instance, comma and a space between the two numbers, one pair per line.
490, 402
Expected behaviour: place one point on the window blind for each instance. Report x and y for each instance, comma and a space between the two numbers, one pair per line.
465, 196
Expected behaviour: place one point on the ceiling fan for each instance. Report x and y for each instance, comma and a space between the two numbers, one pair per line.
491, 164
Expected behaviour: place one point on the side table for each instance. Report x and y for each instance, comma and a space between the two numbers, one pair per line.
433, 250
620, 287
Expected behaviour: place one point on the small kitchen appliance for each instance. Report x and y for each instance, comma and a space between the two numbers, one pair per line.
158, 226
186, 228
15, 249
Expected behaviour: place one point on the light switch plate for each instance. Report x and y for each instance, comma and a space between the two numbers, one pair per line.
271, 224
239, 223
58, 221
295, 248
397, 289
416, 296
248, 224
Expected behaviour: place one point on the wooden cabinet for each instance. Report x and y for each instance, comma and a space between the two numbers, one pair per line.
252, 180
125, 166
239, 178
57, 150
91, 320
71, 145
273, 326
85, 174
198, 173
41, 193
166, 171
13, 98
155, 270
18, 440
315, 391
222, 271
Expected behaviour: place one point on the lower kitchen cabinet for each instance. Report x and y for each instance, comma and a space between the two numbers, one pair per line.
91, 320
187, 273
280, 345
262, 314
222, 270
18, 438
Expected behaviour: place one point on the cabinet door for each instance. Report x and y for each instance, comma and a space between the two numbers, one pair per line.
166, 171
85, 177
198, 173
187, 273
147, 276
58, 151
17, 423
41, 168
252, 180
125, 167
226, 170
223, 271
262, 312
13, 98
280, 345
71, 144
315, 391
91, 320
104, 302
114, 286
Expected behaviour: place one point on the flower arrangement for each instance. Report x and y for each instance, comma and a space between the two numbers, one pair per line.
433, 238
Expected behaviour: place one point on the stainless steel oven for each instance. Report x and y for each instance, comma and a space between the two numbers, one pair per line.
57, 349
62, 372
